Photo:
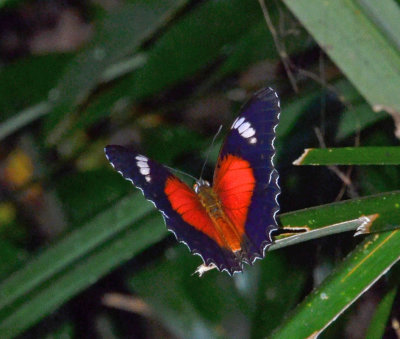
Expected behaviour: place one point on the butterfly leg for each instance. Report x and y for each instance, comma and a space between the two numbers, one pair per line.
203, 268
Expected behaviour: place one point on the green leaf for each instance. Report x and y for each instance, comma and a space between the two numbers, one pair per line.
357, 115
28, 81
356, 119
95, 190
388, 155
77, 275
384, 14
291, 112
64, 331
106, 241
257, 45
361, 225
188, 307
166, 144
24, 118
55, 259
34, 112
169, 287
187, 48
348, 32
385, 205
374, 179
273, 285
112, 99
358, 272
120, 34
376, 328
253, 46
11, 257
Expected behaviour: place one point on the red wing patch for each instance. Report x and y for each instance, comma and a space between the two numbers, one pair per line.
184, 201
234, 183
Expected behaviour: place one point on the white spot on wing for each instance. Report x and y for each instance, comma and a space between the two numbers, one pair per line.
233, 124
141, 158
253, 140
144, 170
238, 123
243, 127
142, 164
248, 133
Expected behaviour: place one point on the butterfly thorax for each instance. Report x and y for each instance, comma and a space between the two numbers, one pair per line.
224, 227
209, 200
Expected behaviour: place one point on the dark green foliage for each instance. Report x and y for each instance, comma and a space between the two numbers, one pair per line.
161, 76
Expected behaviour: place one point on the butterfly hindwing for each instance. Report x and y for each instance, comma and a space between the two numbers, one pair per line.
245, 178
179, 204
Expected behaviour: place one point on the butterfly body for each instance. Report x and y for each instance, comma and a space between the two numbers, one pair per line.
230, 222
228, 235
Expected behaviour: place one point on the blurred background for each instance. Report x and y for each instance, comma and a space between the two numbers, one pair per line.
93, 258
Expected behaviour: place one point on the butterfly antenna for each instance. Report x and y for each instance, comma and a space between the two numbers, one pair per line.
181, 172
209, 150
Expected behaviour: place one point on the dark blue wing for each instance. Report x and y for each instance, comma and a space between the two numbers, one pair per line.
251, 138
151, 178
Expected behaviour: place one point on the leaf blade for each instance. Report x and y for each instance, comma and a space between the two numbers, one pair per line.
78, 275
388, 155
73, 247
356, 44
358, 272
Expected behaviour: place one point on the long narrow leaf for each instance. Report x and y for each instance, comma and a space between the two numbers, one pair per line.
361, 269
351, 225
385, 205
352, 39
78, 275
57, 258
120, 35
350, 156
376, 329
46, 280
32, 113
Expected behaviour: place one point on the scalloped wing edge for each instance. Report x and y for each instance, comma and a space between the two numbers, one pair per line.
274, 176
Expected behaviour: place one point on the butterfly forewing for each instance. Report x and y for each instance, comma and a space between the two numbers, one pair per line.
245, 177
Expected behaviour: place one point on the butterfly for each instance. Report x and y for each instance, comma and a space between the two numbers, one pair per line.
231, 222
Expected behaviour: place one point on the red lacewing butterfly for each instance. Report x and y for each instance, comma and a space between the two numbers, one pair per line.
231, 222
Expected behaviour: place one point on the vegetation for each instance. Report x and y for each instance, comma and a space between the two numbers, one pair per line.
85, 255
